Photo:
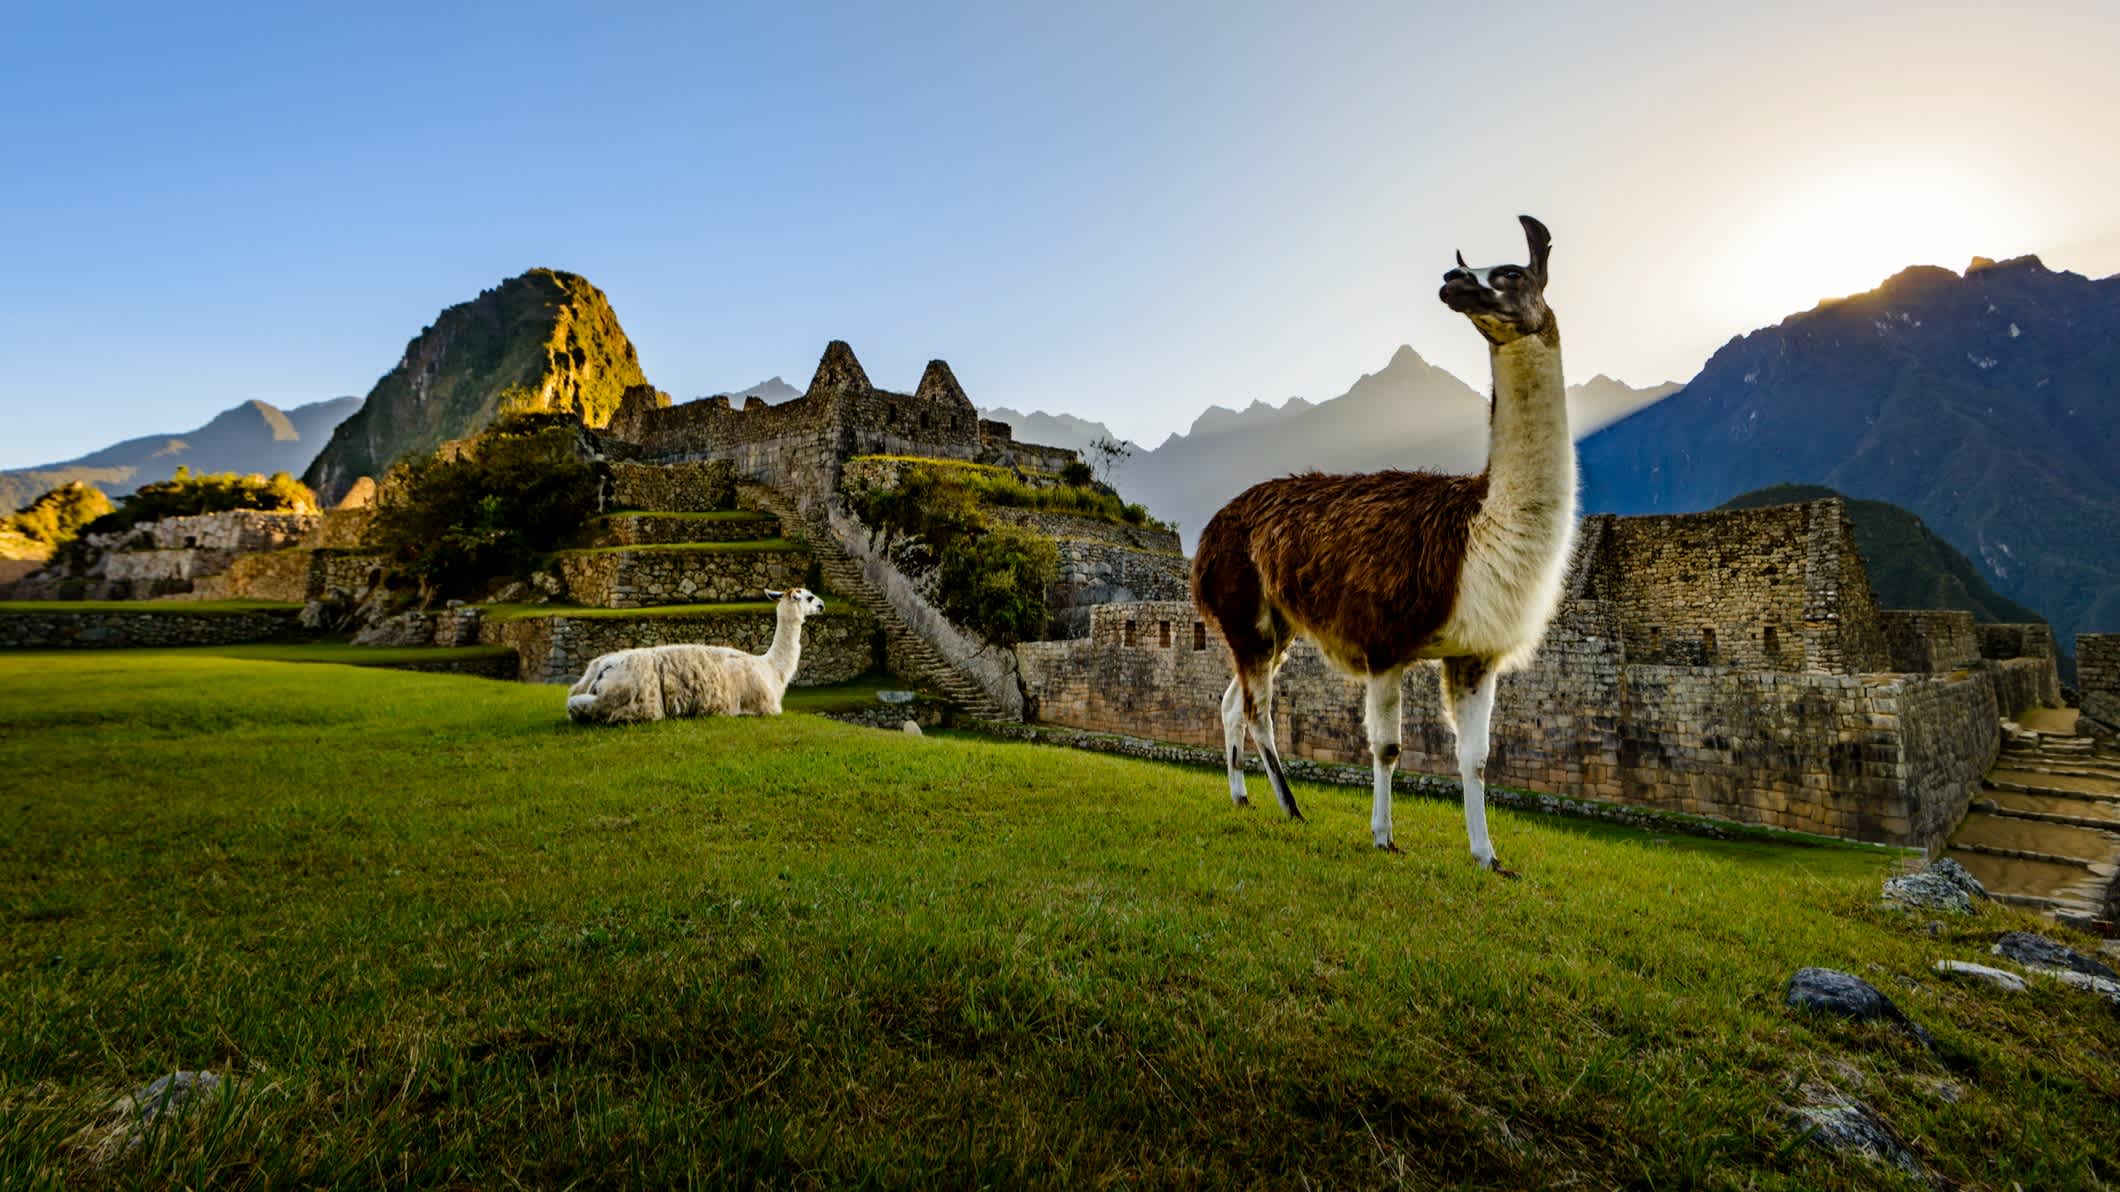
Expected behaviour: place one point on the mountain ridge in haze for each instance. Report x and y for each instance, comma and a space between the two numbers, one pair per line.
1408, 414
254, 436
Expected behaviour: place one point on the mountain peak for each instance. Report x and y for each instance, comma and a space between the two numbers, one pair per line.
2029, 261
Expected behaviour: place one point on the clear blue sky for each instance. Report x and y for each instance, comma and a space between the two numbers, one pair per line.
1125, 211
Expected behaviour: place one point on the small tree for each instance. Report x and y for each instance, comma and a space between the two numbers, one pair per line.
51, 521
1109, 454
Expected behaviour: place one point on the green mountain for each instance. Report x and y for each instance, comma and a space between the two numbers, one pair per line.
253, 437
1909, 565
545, 341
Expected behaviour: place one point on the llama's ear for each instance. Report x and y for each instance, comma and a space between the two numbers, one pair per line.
773, 595
1541, 242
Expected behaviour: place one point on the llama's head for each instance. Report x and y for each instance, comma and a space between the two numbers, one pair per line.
801, 601
1506, 302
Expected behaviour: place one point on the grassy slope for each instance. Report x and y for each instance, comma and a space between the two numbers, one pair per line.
452, 939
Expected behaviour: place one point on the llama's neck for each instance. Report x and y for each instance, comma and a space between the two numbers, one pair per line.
786, 649
1530, 458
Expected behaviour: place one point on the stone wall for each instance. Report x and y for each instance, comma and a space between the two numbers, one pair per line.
97, 629
836, 646
637, 577
298, 574
2098, 663
1778, 589
2031, 642
341, 529
645, 529
267, 575
1094, 572
1887, 758
687, 487
1929, 641
235, 530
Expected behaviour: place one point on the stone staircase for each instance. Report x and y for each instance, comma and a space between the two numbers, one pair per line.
2044, 831
905, 650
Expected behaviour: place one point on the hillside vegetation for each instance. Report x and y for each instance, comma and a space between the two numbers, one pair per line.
441, 937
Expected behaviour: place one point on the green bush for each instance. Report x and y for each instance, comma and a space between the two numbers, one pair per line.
189, 494
996, 584
1078, 474
458, 519
52, 520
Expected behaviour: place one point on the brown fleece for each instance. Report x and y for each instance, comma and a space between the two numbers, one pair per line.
1366, 566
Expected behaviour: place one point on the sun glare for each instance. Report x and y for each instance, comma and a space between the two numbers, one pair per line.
1838, 234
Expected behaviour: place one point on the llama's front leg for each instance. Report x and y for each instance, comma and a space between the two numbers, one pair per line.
1381, 718
1233, 741
1259, 695
1472, 682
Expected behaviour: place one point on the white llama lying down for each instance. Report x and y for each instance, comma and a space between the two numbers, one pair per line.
654, 682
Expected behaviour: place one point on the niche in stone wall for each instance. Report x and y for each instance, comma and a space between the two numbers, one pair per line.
1656, 643
1127, 635
1199, 635
1770, 643
1163, 635
1707, 643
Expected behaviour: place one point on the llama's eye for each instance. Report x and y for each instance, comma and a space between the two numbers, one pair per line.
1509, 272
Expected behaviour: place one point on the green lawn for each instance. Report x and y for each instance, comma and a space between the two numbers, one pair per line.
177, 607
444, 937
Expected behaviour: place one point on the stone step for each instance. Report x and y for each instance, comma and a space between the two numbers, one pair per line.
846, 577
2053, 811
659, 529
695, 573
2053, 886
2036, 839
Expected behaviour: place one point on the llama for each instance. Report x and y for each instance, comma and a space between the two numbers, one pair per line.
654, 682
1387, 569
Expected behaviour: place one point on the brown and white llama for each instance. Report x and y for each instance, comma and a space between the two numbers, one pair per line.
1386, 569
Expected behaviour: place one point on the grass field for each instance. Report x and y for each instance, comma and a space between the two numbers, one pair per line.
441, 937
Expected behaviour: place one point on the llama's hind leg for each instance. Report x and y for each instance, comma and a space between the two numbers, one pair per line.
1470, 683
1381, 718
1233, 741
1258, 710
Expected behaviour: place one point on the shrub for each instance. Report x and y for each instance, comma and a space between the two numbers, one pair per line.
52, 520
996, 584
1078, 474
189, 494
456, 519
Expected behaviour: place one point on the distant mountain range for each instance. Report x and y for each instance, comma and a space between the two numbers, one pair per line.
1409, 414
544, 341
1988, 404
772, 390
253, 437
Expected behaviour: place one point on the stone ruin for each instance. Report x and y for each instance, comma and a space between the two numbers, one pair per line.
1728, 664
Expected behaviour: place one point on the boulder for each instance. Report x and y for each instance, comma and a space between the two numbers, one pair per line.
1943, 886
1842, 995
1847, 1127
2040, 953
2005, 981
